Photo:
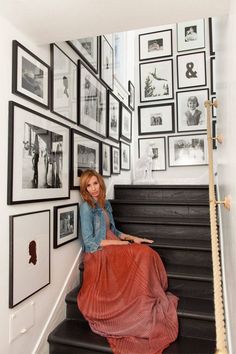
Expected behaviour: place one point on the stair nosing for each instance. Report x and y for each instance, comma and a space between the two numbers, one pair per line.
164, 221
161, 186
159, 202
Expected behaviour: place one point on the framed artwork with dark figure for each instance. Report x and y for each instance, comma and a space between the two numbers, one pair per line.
64, 85
88, 49
191, 35
155, 45
30, 76
115, 160
213, 76
29, 258
156, 80
65, 224
131, 97
126, 123
85, 155
156, 119
106, 63
188, 150
211, 35
113, 117
38, 150
106, 160
191, 111
191, 70
155, 147
124, 156
92, 101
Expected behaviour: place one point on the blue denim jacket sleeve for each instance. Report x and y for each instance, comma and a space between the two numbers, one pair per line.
91, 243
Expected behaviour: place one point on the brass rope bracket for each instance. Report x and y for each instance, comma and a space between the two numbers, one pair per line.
219, 138
209, 103
226, 202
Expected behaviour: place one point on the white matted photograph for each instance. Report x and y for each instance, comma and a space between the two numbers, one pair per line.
156, 149
124, 156
191, 70
115, 160
126, 123
88, 50
156, 119
155, 45
190, 35
106, 160
106, 63
113, 117
213, 75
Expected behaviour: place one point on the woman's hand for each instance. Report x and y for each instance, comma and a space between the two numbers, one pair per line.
135, 239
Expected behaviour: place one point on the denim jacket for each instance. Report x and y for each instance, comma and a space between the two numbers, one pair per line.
93, 225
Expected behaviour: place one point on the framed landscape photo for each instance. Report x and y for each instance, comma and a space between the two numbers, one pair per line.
156, 119
157, 147
113, 117
124, 156
30, 76
211, 35
64, 85
65, 224
190, 35
88, 49
191, 112
155, 45
156, 80
191, 70
106, 160
107, 63
29, 258
188, 150
115, 160
131, 97
92, 101
126, 123
213, 76
38, 157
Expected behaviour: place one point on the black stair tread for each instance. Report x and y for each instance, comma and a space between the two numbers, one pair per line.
189, 272
158, 202
162, 186
188, 345
163, 221
187, 244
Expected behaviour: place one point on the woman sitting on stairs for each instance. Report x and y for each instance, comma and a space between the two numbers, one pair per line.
123, 295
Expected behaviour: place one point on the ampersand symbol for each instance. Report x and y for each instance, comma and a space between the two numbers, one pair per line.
190, 73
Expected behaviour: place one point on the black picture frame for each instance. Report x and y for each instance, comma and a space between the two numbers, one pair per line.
211, 36
213, 83
113, 117
105, 160
115, 160
131, 97
214, 109
106, 63
158, 149
214, 134
88, 49
125, 163
126, 123
191, 35
155, 45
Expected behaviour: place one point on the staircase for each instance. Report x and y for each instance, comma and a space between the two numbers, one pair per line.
177, 219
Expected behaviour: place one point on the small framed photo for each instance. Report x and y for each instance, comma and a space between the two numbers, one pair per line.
30, 76
155, 45
156, 119
191, 35
155, 147
131, 97
85, 155
213, 76
88, 49
188, 150
113, 117
92, 101
211, 35
214, 134
191, 112
214, 110
29, 258
65, 224
64, 85
156, 80
126, 123
115, 160
124, 156
106, 160
107, 63
191, 70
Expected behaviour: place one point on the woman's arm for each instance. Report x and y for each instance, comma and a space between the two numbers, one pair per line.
135, 239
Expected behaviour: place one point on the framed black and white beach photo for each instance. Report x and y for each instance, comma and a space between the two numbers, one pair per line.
30, 76
188, 150
213, 76
156, 80
65, 224
190, 35
88, 49
211, 23
64, 85
38, 157
156, 119
126, 123
106, 160
29, 257
115, 160
191, 70
113, 117
131, 97
156, 148
155, 45
106, 63
125, 162
191, 112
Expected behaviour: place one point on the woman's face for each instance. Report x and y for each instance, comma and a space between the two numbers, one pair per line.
93, 187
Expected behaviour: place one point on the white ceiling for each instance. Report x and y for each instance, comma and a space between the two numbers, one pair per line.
46, 21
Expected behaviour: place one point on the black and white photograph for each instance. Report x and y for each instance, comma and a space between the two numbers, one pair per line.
115, 160
30, 76
113, 113
85, 155
214, 134
155, 45
126, 124
65, 224
156, 119
64, 84
29, 257
191, 70
188, 150
125, 162
156, 80
214, 109
92, 101
107, 63
213, 76
38, 157
155, 150
131, 97
191, 35
211, 23
191, 112
106, 160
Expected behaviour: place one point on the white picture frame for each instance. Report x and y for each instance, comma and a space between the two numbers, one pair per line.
158, 149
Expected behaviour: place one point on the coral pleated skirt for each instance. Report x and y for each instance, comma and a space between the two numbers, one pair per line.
124, 298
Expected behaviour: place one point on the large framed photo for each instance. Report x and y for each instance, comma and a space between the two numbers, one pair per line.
39, 150
106, 160
115, 160
212, 35
92, 101
124, 156
188, 150
85, 155
65, 224
64, 85
113, 117
191, 35
191, 70
191, 111
213, 75
131, 97
88, 49
156, 80
126, 123
107, 63
155, 45
29, 258
155, 147
156, 119
30, 76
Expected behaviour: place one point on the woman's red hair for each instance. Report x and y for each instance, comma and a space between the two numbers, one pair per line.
84, 181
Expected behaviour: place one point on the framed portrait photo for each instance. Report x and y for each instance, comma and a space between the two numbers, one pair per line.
126, 123
65, 224
113, 117
29, 258
155, 45
156, 80
131, 97
124, 156
191, 35
188, 150
115, 160
106, 63
211, 22
213, 75
64, 85
191, 112
30, 76
106, 160
191, 70
88, 49
38, 152
155, 147
156, 119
